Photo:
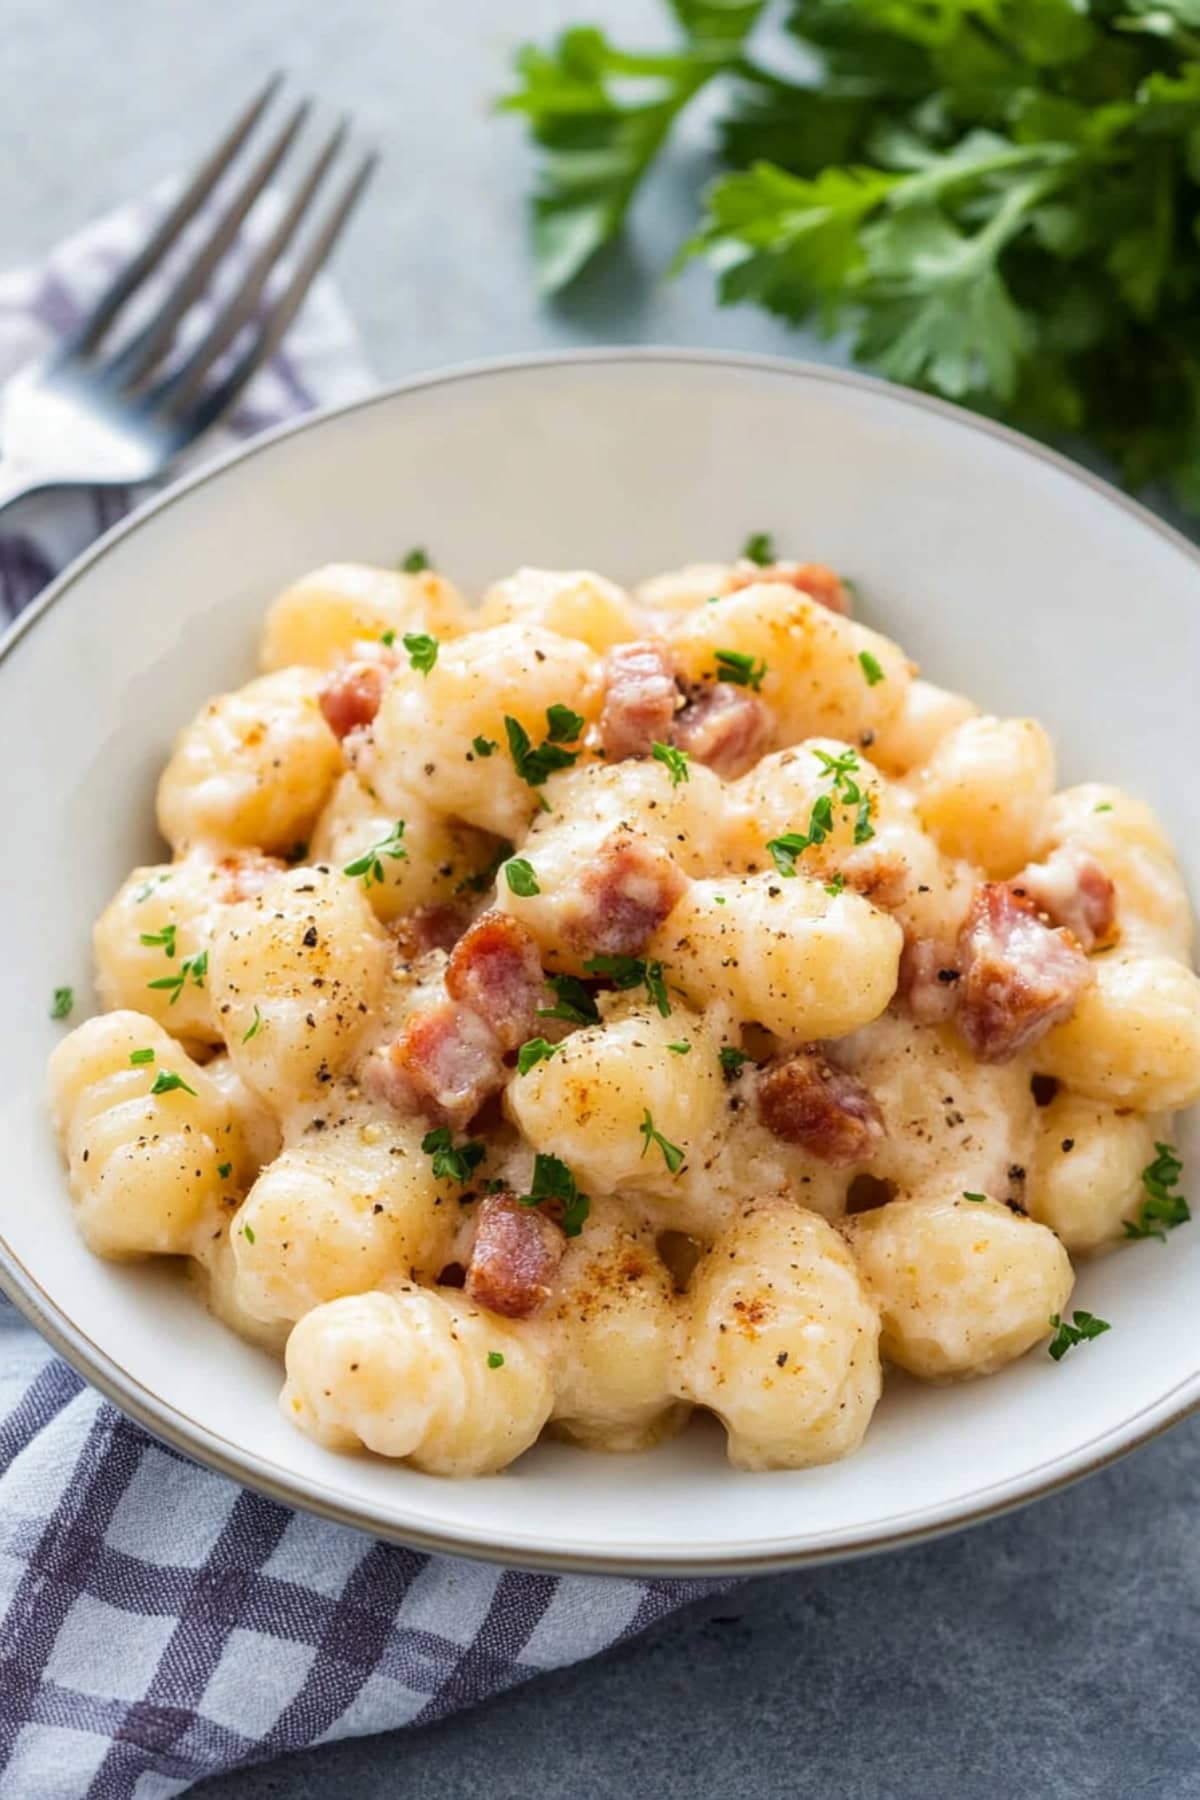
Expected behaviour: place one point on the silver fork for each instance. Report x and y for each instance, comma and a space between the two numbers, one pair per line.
84, 417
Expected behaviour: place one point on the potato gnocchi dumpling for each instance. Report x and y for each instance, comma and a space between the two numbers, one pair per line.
621, 1001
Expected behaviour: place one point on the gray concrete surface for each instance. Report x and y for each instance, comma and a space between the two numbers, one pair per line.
1051, 1653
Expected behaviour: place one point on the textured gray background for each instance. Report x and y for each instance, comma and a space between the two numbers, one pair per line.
1052, 1653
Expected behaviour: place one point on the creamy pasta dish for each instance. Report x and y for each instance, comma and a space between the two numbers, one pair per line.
598, 1005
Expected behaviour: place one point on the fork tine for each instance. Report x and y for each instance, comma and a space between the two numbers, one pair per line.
140, 356
127, 279
262, 345
178, 387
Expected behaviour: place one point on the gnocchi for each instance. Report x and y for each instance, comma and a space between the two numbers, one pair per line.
617, 1003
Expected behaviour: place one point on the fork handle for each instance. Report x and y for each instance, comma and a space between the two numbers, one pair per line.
18, 479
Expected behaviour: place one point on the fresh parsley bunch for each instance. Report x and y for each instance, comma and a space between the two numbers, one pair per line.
998, 199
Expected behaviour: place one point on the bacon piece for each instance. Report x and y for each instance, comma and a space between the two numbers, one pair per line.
445, 1063
640, 699
817, 580
929, 980
245, 874
437, 927
1019, 977
1072, 889
350, 695
496, 969
725, 728
807, 1100
516, 1252
621, 896
879, 875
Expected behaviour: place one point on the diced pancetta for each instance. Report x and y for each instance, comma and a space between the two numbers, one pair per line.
1072, 889
516, 1252
621, 896
351, 693
928, 980
436, 927
640, 699
1020, 977
725, 728
807, 1100
496, 969
816, 580
445, 1063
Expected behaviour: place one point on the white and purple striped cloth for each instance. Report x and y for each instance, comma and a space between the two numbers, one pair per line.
157, 1622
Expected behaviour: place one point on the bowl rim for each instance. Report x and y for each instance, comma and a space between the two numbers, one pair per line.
212, 1449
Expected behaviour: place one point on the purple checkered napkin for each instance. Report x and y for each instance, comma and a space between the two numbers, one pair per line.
157, 1622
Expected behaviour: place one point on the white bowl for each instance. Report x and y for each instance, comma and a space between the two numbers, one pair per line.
1004, 569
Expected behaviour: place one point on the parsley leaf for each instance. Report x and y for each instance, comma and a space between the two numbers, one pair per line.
532, 1052
387, 638
680, 1049
835, 884
574, 1001
140, 1056
255, 1026
553, 1180
969, 1196
627, 972
536, 766
1086, 1325
495, 1359
759, 548
248, 1233
165, 938
452, 1162
672, 1155
192, 968
167, 1081
521, 879
62, 1003
742, 670
563, 725
871, 668
422, 650
484, 746
675, 761
415, 562
1162, 1207
370, 864
732, 1061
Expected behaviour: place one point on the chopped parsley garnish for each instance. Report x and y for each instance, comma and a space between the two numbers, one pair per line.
422, 650
165, 938
387, 638
627, 972
759, 548
62, 1003
137, 1057
834, 886
671, 1153
225, 1171
680, 1049
369, 866
148, 887
248, 1233
870, 667
521, 879
564, 724
967, 1196
536, 766
740, 669
254, 1027
732, 1060
552, 1180
193, 968
1162, 1207
484, 746
575, 1003
452, 1162
415, 562
1086, 1325
166, 1082
495, 1360
675, 761
844, 791
1105, 807
532, 1052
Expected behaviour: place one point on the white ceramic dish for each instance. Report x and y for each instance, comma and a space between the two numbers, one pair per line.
1007, 571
